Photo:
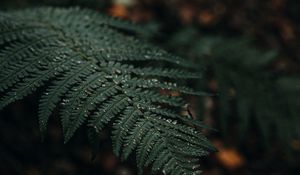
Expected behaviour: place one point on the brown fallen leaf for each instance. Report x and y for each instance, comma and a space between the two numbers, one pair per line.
118, 10
206, 17
229, 157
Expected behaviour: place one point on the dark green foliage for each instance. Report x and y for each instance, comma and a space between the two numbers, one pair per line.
241, 75
94, 72
247, 92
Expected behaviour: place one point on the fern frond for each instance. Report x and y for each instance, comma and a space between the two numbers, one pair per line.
52, 96
122, 126
88, 68
109, 110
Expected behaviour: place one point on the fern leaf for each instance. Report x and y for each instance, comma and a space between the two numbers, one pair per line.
122, 126
88, 70
145, 147
83, 111
50, 98
109, 110
135, 136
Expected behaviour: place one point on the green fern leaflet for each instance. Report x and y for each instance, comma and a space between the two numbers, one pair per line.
90, 67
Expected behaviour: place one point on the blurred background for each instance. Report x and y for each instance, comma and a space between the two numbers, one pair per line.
248, 54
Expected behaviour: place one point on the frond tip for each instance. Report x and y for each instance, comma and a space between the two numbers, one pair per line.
89, 71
